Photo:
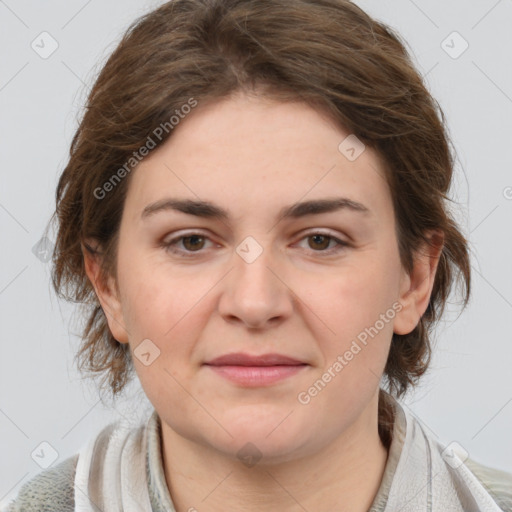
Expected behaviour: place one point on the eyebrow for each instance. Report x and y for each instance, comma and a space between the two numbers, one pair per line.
209, 210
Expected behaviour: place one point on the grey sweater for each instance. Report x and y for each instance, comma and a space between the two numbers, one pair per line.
53, 489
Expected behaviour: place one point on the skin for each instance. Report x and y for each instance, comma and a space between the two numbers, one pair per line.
253, 156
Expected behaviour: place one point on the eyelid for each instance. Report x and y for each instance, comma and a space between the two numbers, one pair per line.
325, 232
177, 235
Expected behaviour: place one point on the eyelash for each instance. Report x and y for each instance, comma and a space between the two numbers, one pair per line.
170, 245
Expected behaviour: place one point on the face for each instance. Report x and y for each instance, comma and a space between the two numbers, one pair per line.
319, 285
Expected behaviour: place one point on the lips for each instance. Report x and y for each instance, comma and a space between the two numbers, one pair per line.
240, 359
256, 371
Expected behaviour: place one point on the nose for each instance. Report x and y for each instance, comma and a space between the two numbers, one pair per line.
255, 294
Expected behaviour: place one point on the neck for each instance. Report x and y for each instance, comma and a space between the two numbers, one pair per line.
344, 476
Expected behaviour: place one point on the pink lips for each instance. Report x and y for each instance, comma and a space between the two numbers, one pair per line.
253, 371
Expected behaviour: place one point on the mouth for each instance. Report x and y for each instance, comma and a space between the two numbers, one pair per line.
255, 371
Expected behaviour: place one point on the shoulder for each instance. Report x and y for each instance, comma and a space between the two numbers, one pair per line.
51, 490
498, 483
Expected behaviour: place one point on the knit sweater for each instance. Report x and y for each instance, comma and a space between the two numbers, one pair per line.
53, 489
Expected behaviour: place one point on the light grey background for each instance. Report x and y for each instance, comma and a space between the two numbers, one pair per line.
466, 397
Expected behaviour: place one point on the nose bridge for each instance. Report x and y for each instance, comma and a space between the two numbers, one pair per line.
252, 267
254, 294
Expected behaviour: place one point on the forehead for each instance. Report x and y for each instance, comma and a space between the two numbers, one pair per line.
249, 153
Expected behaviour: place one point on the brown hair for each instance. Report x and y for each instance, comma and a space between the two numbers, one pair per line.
327, 53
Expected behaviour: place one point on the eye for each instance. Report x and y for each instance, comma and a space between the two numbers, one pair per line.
319, 242
192, 243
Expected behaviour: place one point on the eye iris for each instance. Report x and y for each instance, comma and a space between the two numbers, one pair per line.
322, 237
194, 244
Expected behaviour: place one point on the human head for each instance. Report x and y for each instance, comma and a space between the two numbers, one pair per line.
327, 53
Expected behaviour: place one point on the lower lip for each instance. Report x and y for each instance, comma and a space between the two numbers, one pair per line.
253, 376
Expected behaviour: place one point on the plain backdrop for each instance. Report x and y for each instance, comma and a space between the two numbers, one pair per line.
467, 395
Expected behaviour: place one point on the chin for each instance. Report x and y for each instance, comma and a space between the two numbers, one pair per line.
271, 441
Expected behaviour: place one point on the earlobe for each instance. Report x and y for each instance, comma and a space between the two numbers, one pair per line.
416, 286
106, 292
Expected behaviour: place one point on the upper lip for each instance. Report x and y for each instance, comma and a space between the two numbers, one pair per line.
241, 359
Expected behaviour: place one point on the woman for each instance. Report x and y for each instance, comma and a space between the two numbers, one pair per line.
255, 209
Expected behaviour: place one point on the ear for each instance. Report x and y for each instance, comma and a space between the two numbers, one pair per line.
416, 287
106, 292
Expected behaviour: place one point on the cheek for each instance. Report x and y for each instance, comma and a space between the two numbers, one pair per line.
354, 297
156, 296
169, 307
169, 312
357, 305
